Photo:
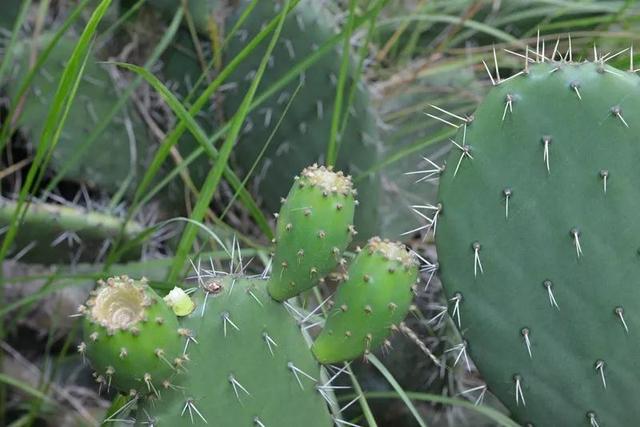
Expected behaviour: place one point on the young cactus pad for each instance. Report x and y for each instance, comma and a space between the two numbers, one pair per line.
315, 225
538, 243
373, 300
249, 365
131, 336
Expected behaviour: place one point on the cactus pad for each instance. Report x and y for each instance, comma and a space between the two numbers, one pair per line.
315, 225
374, 299
52, 233
538, 243
95, 98
131, 336
253, 365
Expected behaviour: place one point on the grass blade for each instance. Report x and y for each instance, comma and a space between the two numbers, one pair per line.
213, 179
332, 149
403, 395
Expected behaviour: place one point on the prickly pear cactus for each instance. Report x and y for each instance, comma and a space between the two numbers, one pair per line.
95, 98
537, 241
231, 354
246, 350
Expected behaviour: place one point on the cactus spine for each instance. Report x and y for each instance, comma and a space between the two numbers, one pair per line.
242, 357
538, 243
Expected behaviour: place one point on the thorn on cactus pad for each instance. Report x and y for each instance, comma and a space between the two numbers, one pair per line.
457, 299
480, 399
269, 341
508, 105
461, 350
527, 341
519, 394
477, 264
546, 142
599, 366
465, 152
604, 174
575, 86
548, 285
237, 387
593, 419
575, 234
190, 406
619, 311
150, 387
297, 372
226, 318
617, 112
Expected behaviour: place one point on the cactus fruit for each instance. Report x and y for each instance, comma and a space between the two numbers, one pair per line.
315, 225
131, 336
537, 242
243, 359
375, 297
95, 98
52, 233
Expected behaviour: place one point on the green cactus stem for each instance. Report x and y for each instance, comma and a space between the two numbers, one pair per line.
51, 233
369, 305
315, 225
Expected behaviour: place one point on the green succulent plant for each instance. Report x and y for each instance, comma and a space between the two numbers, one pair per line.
230, 352
538, 244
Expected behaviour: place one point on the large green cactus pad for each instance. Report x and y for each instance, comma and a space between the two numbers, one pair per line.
249, 365
538, 243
